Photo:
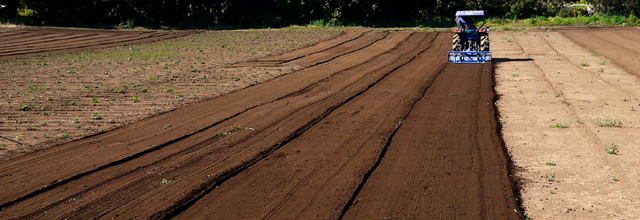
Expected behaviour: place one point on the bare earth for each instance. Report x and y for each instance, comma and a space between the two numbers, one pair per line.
546, 81
368, 113
355, 125
67, 96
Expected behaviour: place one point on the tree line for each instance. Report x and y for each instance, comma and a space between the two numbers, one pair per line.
277, 13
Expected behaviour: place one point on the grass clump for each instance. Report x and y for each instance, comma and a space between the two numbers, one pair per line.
24, 107
223, 134
559, 94
608, 123
551, 177
612, 149
559, 125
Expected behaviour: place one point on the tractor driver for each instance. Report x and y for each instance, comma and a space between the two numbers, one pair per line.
466, 22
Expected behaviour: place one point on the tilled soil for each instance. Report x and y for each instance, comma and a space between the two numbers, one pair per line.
444, 163
54, 99
316, 143
41, 41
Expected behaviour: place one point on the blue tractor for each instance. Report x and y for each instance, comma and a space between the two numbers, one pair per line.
470, 44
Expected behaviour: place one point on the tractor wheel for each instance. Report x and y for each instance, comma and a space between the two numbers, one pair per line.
484, 43
456, 43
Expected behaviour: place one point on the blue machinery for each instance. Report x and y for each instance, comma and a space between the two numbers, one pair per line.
469, 56
470, 43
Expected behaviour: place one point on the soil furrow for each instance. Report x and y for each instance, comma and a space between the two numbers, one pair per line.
320, 57
154, 136
24, 34
32, 39
367, 175
327, 56
11, 33
52, 43
74, 42
124, 38
448, 150
314, 175
346, 37
44, 39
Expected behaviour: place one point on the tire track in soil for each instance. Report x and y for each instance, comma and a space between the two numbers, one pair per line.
447, 160
397, 40
57, 45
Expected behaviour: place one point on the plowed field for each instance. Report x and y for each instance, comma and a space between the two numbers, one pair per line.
31, 42
376, 125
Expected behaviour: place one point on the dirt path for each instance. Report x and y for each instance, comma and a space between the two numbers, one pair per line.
563, 107
40, 41
305, 141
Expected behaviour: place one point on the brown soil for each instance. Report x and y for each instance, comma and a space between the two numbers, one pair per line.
446, 161
41, 41
546, 82
309, 144
64, 94
619, 45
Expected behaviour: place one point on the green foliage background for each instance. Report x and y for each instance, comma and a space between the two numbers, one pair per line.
277, 13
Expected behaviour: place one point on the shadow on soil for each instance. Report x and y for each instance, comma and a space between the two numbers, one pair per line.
506, 60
